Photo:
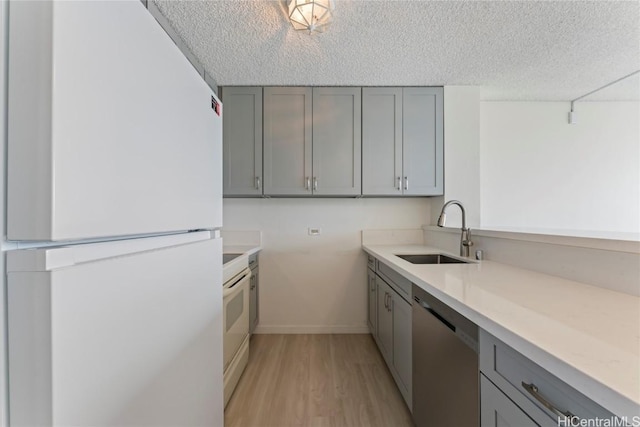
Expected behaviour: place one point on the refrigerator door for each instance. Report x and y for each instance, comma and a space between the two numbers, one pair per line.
112, 132
104, 337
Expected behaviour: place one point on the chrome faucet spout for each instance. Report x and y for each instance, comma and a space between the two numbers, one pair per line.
465, 237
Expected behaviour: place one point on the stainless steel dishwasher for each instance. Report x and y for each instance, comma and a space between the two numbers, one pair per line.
445, 365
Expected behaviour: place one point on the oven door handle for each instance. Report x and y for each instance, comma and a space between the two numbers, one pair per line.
236, 287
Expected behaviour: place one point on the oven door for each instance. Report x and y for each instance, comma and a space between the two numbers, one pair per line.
236, 314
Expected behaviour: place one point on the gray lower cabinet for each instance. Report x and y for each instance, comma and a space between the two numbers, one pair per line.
312, 141
372, 301
393, 335
403, 141
497, 410
385, 320
544, 399
254, 293
242, 141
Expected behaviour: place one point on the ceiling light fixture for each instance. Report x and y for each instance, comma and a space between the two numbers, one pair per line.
310, 15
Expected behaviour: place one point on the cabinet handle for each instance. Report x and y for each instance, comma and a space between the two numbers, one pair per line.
315, 184
307, 183
399, 183
533, 391
386, 295
406, 183
257, 182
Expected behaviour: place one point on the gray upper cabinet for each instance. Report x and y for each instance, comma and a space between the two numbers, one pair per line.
422, 141
287, 141
312, 141
333, 141
382, 141
337, 142
403, 144
242, 141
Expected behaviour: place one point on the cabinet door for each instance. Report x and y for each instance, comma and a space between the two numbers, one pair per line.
253, 301
372, 311
287, 141
337, 142
382, 141
385, 320
496, 410
242, 141
422, 141
402, 350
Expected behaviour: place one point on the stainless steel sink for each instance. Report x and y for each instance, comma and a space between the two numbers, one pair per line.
432, 259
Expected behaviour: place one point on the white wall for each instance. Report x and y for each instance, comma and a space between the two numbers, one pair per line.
540, 174
317, 283
461, 155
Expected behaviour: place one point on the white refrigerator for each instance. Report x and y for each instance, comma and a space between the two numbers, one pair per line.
114, 297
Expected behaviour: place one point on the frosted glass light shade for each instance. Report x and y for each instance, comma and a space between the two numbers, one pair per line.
310, 15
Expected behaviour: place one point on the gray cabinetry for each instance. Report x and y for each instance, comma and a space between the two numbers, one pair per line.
372, 310
496, 410
287, 141
312, 142
385, 320
337, 159
382, 141
422, 141
242, 141
254, 293
543, 397
393, 328
403, 141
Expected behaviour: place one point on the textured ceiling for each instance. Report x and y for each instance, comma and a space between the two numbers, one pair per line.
514, 50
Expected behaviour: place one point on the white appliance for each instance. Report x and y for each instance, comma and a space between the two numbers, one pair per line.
114, 296
237, 277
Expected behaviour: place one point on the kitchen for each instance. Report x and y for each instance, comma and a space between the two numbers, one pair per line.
323, 276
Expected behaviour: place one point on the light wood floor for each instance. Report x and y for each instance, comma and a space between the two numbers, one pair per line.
316, 380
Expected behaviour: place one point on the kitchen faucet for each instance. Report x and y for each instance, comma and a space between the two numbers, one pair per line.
465, 237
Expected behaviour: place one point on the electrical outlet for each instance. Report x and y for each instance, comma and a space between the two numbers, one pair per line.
314, 231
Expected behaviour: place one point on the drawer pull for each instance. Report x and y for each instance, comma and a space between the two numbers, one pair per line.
533, 391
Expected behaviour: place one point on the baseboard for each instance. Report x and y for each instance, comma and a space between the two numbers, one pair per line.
311, 329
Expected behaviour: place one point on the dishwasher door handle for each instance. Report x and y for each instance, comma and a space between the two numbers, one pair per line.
435, 314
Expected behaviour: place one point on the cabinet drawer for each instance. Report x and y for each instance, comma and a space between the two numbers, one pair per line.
253, 260
399, 283
512, 373
497, 410
371, 262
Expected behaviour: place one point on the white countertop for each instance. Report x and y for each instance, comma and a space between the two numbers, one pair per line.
238, 264
241, 249
589, 337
